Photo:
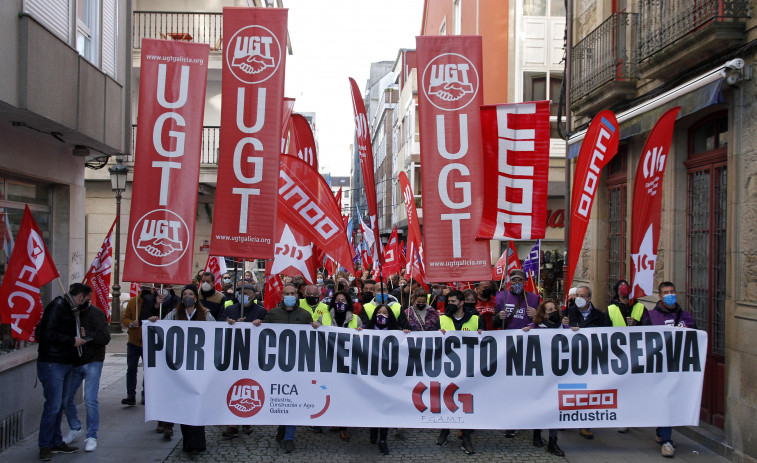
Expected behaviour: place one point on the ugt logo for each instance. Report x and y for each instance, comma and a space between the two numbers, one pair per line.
253, 54
436, 397
245, 398
579, 397
450, 81
160, 238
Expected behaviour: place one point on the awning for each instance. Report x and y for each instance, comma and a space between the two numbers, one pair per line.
692, 96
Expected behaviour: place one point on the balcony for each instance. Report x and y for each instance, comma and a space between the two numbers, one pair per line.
186, 26
603, 65
208, 146
676, 35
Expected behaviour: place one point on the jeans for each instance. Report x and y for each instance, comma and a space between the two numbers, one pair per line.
666, 433
133, 354
90, 373
53, 377
289, 432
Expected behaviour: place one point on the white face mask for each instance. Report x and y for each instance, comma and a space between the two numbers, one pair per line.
206, 286
580, 302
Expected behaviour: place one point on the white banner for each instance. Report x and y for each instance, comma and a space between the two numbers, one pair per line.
544, 378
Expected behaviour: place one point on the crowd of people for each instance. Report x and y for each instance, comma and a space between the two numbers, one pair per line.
72, 350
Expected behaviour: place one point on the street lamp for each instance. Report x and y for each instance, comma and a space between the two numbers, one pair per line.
118, 175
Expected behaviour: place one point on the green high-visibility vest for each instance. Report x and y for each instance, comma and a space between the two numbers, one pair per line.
321, 310
370, 307
617, 317
447, 324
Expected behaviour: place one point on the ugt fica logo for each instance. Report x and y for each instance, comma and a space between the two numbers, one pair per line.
253, 54
160, 238
450, 81
245, 398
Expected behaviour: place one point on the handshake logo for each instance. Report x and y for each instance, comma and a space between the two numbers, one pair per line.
162, 238
254, 54
450, 81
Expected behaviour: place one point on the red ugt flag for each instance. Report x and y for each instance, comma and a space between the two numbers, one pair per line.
31, 266
99, 274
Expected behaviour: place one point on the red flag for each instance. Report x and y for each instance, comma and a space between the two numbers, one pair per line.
274, 288
392, 254
449, 97
499, 270
99, 275
403, 254
530, 285
217, 266
172, 83
365, 149
414, 239
516, 139
252, 102
302, 142
134, 289
512, 262
338, 197
294, 254
30, 267
598, 147
286, 113
366, 262
647, 204
308, 206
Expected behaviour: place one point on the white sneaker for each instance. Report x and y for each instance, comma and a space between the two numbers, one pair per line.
90, 444
668, 450
72, 435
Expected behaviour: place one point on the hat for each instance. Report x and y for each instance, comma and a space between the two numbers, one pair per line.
192, 288
572, 291
516, 272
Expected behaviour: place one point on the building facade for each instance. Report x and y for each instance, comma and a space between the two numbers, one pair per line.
640, 58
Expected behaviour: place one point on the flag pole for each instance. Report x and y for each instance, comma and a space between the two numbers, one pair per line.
502, 280
160, 309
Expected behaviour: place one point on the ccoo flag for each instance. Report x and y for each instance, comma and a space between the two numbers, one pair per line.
100, 273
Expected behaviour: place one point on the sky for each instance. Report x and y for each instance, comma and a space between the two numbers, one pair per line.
331, 41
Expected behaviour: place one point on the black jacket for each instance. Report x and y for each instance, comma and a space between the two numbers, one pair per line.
55, 333
149, 306
596, 318
95, 325
251, 313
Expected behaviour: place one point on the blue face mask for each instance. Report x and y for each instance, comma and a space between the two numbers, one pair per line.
246, 299
380, 298
290, 301
669, 299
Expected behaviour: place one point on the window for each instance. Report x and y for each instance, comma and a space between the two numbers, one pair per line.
13, 196
535, 7
617, 198
87, 22
110, 37
538, 86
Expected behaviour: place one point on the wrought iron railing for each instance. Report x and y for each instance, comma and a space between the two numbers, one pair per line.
663, 22
208, 146
605, 54
189, 26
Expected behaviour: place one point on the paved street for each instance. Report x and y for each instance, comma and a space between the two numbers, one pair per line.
125, 437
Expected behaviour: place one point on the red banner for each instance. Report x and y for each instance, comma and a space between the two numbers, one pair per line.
99, 275
308, 206
392, 254
414, 239
274, 288
217, 266
647, 204
286, 113
294, 254
172, 82
251, 105
516, 140
365, 150
301, 142
30, 267
599, 146
449, 97
499, 269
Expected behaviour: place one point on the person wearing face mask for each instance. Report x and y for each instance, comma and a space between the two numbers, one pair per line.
459, 318
312, 303
139, 308
486, 303
58, 342
342, 314
209, 297
189, 308
421, 316
621, 311
547, 316
668, 312
381, 297
288, 311
583, 314
515, 307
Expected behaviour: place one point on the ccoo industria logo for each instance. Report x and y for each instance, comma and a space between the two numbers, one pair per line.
577, 402
160, 238
253, 54
450, 81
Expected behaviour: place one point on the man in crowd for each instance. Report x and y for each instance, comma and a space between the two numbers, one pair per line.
288, 311
209, 297
515, 307
312, 303
486, 304
58, 341
87, 368
381, 297
583, 314
668, 312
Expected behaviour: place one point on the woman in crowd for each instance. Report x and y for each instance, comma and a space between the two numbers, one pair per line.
547, 316
189, 308
420, 315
